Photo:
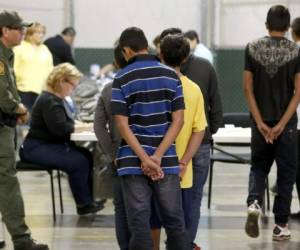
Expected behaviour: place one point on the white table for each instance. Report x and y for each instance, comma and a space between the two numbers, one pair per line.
231, 134
83, 136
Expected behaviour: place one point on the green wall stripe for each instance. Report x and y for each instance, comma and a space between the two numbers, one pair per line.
229, 65
85, 57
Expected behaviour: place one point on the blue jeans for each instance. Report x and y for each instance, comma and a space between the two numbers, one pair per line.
137, 193
187, 205
201, 162
121, 224
284, 152
77, 162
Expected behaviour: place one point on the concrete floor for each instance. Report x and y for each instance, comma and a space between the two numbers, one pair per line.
221, 227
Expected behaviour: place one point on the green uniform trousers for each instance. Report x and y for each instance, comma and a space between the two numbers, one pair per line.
11, 201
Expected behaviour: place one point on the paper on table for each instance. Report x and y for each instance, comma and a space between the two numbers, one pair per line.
84, 127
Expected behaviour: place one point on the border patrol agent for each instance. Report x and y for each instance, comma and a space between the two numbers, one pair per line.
12, 112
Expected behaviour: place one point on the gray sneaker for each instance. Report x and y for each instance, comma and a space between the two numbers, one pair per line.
252, 223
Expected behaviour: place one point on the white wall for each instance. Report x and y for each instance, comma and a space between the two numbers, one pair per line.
241, 21
100, 22
50, 13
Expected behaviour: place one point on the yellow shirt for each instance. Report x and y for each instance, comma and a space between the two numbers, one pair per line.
32, 66
194, 121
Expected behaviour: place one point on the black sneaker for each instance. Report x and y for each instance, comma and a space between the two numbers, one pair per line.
252, 224
31, 244
90, 208
295, 216
2, 243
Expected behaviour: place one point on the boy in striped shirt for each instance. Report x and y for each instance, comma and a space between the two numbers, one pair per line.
148, 105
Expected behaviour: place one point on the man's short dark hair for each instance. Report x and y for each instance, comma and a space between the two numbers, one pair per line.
174, 49
69, 31
119, 60
192, 35
170, 31
134, 38
278, 18
296, 26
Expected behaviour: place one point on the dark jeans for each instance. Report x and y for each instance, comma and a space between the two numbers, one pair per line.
121, 224
155, 221
298, 166
186, 206
284, 152
137, 193
77, 162
28, 99
201, 162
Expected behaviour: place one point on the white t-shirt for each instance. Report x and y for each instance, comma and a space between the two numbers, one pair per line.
202, 51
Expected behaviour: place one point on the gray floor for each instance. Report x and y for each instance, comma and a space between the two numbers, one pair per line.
221, 227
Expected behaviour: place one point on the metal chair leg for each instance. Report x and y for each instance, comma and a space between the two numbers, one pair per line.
60, 192
210, 183
52, 195
263, 207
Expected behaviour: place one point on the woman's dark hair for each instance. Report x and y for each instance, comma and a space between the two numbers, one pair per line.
134, 38
278, 18
174, 49
69, 31
296, 26
156, 40
192, 35
119, 60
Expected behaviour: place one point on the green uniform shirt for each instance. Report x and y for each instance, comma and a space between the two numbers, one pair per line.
9, 97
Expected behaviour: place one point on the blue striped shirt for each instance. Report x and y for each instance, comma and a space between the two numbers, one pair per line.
147, 92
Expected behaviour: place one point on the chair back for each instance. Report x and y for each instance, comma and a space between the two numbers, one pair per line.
237, 119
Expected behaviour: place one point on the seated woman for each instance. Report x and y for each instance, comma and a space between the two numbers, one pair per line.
48, 140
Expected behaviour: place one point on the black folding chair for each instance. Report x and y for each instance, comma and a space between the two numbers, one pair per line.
229, 155
28, 167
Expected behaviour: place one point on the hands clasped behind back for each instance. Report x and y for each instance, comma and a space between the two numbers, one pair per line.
152, 168
270, 134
